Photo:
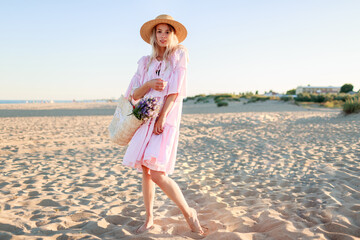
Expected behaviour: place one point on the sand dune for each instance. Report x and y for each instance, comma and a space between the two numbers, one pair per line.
278, 172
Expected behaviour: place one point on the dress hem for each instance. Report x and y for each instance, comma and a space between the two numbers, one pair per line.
147, 163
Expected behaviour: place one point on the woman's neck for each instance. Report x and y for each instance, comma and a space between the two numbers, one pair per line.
161, 52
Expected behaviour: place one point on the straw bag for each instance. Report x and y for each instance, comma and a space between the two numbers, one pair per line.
124, 124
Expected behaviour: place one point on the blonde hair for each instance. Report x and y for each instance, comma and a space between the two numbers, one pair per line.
173, 44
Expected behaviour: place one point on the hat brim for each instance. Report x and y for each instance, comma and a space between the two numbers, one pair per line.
147, 27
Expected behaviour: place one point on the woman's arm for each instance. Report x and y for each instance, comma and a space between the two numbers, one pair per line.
160, 121
141, 91
156, 84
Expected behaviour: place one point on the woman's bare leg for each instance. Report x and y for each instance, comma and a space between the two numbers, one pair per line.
172, 190
148, 189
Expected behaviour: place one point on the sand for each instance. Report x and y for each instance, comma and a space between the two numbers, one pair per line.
266, 170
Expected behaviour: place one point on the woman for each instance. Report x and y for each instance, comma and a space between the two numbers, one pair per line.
152, 149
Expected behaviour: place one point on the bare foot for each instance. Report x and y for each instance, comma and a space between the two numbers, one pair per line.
145, 227
193, 222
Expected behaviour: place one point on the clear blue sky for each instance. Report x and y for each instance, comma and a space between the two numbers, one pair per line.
86, 49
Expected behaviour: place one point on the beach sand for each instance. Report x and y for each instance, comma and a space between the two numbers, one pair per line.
268, 170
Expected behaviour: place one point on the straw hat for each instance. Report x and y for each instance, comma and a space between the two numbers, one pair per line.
147, 27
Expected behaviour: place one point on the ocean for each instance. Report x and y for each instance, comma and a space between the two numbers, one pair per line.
46, 101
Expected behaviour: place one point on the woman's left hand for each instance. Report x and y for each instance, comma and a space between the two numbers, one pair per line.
159, 125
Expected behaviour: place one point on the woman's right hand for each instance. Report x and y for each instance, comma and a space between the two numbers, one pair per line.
157, 84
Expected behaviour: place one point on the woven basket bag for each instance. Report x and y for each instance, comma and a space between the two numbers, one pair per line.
124, 124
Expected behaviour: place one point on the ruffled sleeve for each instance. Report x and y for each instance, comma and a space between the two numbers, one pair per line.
177, 83
137, 78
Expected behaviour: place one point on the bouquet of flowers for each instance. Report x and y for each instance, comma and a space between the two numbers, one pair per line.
128, 118
147, 108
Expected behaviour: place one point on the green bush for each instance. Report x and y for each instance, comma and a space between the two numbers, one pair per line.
303, 97
222, 99
218, 99
222, 96
343, 97
257, 98
251, 100
322, 98
246, 95
352, 105
235, 99
286, 98
222, 104
226, 97
316, 98
319, 98
202, 99
261, 98
333, 104
189, 98
291, 92
346, 88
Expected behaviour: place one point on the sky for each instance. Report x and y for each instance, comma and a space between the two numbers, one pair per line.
87, 49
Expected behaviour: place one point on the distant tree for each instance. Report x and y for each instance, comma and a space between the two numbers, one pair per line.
347, 87
257, 92
291, 92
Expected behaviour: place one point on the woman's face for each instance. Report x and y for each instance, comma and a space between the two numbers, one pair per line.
162, 34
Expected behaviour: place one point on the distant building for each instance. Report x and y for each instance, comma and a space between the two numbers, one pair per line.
272, 94
318, 90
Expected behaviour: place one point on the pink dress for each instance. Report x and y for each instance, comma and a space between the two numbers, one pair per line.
158, 152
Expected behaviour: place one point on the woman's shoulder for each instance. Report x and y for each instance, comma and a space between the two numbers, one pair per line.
144, 59
142, 63
180, 52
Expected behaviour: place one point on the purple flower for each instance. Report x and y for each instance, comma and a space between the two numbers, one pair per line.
146, 108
